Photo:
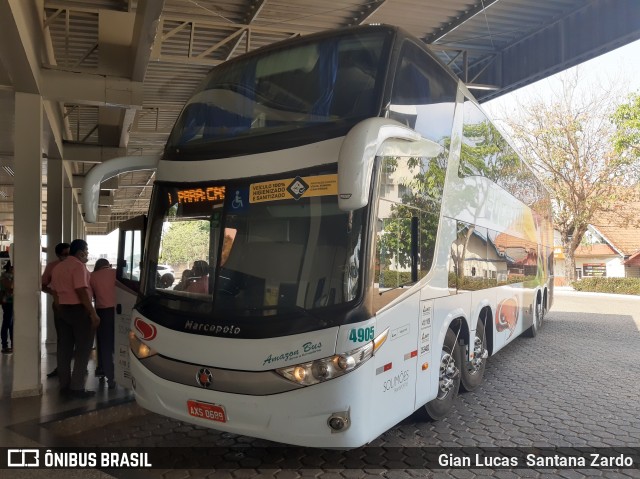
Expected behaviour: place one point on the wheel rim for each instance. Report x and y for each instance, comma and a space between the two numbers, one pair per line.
478, 352
538, 315
448, 373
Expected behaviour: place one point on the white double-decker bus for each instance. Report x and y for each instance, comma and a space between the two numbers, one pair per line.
348, 239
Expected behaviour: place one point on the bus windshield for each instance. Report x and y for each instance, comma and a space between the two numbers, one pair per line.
253, 249
307, 84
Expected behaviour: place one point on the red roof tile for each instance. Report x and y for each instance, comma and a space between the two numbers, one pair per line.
621, 228
595, 250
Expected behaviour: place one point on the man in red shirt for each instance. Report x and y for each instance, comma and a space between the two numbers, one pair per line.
62, 252
103, 284
72, 293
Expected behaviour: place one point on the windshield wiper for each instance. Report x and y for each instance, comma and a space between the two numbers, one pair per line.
410, 283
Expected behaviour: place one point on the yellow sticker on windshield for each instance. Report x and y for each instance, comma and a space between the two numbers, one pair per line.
294, 188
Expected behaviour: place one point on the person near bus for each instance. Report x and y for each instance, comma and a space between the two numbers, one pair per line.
6, 293
199, 282
103, 284
71, 285
62, 252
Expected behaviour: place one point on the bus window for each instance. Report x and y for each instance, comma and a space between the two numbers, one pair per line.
410, 194
517, 258
485, 152
127, 266
423, 95
281, 91
130, 253
245, 250
469, 269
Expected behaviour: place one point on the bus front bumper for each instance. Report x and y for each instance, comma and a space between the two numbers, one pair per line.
300, 417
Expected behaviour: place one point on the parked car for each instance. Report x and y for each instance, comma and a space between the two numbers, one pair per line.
164, 269
165, 276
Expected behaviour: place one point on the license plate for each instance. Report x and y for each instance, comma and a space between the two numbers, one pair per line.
212, 412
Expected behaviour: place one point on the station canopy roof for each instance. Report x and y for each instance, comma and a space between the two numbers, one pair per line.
153, 54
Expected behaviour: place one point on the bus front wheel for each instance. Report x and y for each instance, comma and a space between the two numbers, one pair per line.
448, 379
472, 372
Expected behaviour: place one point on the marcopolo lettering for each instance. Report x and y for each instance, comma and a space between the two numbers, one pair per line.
213, 329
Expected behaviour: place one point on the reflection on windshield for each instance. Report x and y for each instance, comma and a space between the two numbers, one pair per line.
252, 249
282, 90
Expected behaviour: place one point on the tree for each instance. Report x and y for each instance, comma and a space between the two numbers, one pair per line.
626, 118
185, 241
569, 140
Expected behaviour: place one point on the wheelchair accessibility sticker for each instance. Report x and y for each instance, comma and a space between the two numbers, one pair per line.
238, 199
294, 188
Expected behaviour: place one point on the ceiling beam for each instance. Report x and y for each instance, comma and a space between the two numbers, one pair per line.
91, 154
90, 89
145, 31
368, 9
253, 11
20, 43
459, 20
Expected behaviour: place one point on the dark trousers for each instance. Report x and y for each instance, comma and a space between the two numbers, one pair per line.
57, 318
105, 339
7, 325
75, 333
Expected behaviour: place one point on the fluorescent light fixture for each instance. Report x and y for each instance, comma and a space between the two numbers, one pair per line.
478, 86
3, 194
9, 170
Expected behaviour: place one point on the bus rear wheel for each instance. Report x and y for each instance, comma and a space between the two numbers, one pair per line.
538, 316
448, 379
472, 372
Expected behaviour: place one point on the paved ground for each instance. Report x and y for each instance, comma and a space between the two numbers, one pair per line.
575, 385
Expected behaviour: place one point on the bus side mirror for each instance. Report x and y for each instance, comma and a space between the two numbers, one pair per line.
368, 139
108, 169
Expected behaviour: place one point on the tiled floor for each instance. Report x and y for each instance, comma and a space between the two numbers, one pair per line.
21, 419
24, 412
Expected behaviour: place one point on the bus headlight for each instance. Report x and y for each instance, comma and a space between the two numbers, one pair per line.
321, 370
140, 349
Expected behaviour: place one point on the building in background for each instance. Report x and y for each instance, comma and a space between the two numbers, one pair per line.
607, 250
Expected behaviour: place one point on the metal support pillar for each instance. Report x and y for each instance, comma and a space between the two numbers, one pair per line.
67, 214
26, 255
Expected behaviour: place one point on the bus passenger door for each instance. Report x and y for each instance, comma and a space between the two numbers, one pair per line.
394, 382
130, 249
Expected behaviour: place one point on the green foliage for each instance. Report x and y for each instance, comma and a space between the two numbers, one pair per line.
472, 283
184, 242
627, 120
490, 156
598, 284
392, 279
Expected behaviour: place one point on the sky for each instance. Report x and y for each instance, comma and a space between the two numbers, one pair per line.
622, 65
104, 244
